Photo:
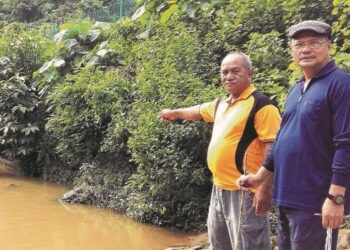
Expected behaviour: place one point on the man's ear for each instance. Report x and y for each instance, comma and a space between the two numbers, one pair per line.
250, 73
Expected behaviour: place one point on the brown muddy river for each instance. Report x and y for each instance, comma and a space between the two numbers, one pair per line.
32, 219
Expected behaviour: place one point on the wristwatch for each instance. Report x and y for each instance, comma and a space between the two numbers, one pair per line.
337, 199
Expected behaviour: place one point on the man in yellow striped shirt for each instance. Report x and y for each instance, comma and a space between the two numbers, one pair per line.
245, 125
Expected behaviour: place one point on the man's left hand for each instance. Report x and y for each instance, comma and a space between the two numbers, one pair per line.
332, 214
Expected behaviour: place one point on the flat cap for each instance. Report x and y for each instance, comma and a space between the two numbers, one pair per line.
318, 27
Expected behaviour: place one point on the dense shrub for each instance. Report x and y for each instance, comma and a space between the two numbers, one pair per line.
170, 159
22, 105
26, 48
83, 108
270, 61
39, 10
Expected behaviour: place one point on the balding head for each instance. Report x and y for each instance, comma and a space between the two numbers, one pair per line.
236, 73
246, 60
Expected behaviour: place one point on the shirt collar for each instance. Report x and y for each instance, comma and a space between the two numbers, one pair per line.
244, 95
330, 66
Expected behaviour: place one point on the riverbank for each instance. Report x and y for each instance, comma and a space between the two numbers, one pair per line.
197, 242
200, 242
7, 168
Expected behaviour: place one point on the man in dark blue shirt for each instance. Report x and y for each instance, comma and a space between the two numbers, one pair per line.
311, 155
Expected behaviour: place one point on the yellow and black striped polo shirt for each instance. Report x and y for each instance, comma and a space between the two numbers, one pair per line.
240, 129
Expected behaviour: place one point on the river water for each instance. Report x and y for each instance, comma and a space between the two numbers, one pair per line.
32, 219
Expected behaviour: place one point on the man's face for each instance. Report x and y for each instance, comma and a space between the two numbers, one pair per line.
310, 51
234, 75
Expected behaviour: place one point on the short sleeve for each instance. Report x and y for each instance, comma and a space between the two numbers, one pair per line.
207, 110
267, 123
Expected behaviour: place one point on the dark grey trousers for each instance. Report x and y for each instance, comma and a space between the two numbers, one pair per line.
302, 230
234, 226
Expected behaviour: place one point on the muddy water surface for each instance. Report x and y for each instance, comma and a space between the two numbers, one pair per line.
32, 219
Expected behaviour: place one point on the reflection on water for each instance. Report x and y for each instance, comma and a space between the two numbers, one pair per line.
32, 219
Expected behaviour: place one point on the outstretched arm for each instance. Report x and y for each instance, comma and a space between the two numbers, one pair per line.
190, 114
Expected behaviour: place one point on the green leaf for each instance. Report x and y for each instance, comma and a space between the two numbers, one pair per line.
22, 150
165, 16
23, 109
25, 131
6, 129
34, 129
139, 12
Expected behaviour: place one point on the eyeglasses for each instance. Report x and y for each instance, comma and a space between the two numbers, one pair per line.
314, 44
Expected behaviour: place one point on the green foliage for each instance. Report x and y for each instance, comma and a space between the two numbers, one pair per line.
23, 11
166, 77
46, 10
270, 61
83, 108
295, 11
242, 18
149, 10
27, 49
20, 117
78, 44
122, 37
340, 27
75, 28
343, 61
22, 107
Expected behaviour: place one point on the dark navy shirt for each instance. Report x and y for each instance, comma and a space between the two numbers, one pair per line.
312, 150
